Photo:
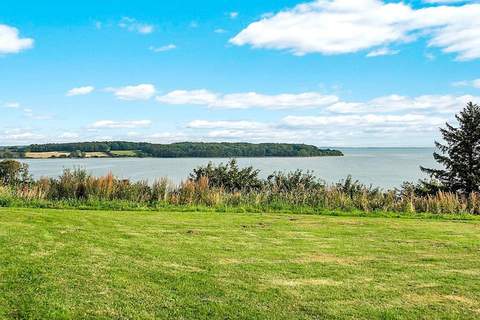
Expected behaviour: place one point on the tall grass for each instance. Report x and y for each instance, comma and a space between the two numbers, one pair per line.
295, 191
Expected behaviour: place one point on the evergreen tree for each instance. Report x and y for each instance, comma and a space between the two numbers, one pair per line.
460, 153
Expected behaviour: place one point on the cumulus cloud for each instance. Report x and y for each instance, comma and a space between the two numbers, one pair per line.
69, 135
247, 99
206, 124
468, 83
396, 103
164, 48
110, 124
199, 97
444, 1
169, 137
29, 113
135, 92
133, 25
12, 104
19, 136
388, 120
361, 120
11, 42
243, 130
365, 24
382, 52
273, 135
80, 91
387, 104
325, 130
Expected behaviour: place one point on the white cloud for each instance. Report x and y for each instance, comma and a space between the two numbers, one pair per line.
273, 135
325, 130
247, 99
110, 124
29, 113
220, 30
69, 135
391, 120
12, 104
169, 137
365, 24
164, 48
444, 1
10, 42
133, 134
233, 14
395, 103
382, 52
242, 130
79, 91
430, 56
206, 124
198, 97
136, 92
361, 120
19, 136
133, 25
280, 101
468, 83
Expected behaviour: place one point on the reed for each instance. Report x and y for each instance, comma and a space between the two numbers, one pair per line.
294, 191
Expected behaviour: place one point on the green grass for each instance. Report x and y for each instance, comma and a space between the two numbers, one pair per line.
124, 153
67, 264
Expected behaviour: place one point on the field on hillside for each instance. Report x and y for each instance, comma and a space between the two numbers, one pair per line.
124, 153
96, 155
46, 155
57, 264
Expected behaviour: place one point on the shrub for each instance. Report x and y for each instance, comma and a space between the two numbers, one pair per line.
13, 173
228, 176
293, 181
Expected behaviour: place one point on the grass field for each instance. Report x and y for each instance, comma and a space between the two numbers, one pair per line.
58, 264
46, 155
124, 153
96, 155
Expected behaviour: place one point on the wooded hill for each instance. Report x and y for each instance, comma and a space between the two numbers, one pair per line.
174, 150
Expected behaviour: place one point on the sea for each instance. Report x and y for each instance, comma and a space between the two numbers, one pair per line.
379, 167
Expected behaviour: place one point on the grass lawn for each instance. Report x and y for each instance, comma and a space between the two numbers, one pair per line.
57, 264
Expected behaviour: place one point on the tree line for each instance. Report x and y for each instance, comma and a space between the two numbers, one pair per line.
185, 149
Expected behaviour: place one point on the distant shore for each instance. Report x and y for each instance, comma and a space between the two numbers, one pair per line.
123, 149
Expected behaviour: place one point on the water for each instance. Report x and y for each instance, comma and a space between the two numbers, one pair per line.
382, 167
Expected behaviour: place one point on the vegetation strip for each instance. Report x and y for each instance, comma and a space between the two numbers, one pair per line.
174, 150
224, 187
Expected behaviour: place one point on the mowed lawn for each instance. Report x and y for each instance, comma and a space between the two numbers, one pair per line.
57, 264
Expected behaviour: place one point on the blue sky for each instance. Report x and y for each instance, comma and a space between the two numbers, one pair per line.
327, 72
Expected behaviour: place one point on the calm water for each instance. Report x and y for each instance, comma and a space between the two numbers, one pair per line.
383, 167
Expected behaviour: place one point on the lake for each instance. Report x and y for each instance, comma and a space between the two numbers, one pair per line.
383, 167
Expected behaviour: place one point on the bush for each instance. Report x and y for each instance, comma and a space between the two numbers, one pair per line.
13, 173
228, 176
293, 181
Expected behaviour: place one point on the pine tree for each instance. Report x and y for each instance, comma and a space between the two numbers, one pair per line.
460, 153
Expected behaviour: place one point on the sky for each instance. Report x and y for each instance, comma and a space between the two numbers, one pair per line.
337, 73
